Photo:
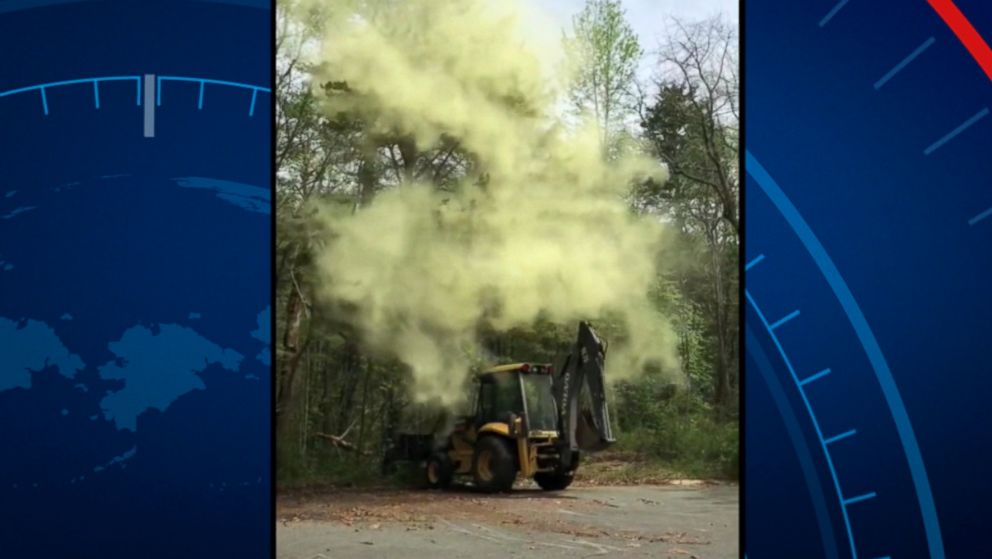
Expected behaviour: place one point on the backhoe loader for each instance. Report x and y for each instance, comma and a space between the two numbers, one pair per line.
528, 420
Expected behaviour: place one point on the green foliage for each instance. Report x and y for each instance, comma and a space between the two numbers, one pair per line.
604, 52
676, 427
330, 382
324, 467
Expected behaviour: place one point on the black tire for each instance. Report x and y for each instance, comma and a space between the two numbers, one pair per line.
558, 479
554, 481
494, 466
439, 471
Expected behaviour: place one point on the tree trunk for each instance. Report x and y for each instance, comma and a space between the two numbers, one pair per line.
365, 399
721, 377
287, 420
349, 382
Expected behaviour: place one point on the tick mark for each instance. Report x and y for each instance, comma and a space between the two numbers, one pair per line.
859, 498
905, 62
785, 319
965, 32
978, 116
810, 379
96, 93
843, 435
832, 12
747, 267
150, 105
980, 217
44, 100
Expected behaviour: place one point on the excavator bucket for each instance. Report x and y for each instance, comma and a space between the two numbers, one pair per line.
588, 429
587, 436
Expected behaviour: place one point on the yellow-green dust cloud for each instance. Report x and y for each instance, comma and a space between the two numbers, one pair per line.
539, 227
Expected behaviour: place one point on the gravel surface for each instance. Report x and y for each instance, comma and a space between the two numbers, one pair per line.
697, 521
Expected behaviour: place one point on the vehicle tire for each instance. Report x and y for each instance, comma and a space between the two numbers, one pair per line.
439, 471
494, 466
554, 481
558, 479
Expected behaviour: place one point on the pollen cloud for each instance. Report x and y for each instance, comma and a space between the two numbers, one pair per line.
540, 225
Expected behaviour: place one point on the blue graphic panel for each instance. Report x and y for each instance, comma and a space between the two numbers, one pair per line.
867, 192
135, 240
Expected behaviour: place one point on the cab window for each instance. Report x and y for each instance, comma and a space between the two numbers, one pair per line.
486, 402
499, 395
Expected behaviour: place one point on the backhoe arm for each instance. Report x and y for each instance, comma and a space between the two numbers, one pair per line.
583, 367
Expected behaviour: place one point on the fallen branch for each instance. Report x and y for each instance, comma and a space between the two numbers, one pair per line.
339, 442
348, 430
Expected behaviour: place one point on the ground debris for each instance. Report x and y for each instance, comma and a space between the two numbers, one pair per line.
678, 551
680, 538
576, 522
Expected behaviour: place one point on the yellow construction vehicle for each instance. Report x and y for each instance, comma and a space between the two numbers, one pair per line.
527, 421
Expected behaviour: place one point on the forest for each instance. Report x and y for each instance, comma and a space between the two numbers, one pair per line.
363, 163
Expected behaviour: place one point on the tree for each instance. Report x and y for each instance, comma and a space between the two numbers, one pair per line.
604, 53
698, 73
324, 384
337, 396
692, 125
309, 153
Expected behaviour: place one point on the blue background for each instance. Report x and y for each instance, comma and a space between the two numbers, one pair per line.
894, 222
145, 261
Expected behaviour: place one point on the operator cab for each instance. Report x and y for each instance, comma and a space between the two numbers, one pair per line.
518, 390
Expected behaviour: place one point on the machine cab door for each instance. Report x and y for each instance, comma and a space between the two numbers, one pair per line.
500, 399
485, 408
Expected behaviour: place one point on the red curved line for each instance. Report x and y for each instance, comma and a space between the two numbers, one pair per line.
965, 32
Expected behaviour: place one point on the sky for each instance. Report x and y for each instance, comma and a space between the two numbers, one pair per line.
647, 17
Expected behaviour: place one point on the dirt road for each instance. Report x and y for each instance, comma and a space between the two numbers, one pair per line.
638, 521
